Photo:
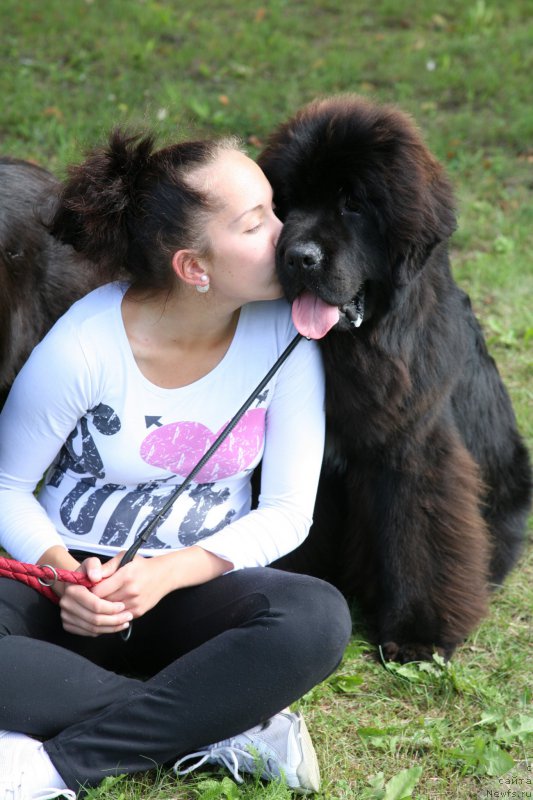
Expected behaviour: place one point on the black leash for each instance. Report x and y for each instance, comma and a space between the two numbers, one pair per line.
145, 533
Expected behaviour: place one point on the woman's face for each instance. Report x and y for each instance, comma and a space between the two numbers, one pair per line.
243, 233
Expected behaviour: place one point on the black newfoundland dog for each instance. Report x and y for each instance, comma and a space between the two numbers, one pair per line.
426, 484
39, 277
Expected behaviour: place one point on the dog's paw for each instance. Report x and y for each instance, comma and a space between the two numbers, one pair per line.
412, 651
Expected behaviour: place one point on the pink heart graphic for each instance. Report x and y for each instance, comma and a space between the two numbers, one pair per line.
178, 447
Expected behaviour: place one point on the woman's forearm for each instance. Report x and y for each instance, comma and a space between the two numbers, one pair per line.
59, 557
189, 567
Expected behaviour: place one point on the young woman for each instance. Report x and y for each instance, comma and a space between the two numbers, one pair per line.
116, 406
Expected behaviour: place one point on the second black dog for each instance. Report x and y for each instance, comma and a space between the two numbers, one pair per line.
39, 277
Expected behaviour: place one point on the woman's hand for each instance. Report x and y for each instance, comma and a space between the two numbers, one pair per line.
85, 613
138, 586
142, 583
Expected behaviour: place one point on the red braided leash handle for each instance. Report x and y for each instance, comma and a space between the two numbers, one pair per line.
41, 576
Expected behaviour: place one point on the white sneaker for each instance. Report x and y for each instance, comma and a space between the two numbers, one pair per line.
16, 772
280, 749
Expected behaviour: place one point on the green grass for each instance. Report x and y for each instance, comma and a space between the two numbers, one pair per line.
69, 71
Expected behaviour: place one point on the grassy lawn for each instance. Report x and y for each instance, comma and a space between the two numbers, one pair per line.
71, 70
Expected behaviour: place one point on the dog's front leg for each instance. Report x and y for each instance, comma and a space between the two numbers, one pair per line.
432, 550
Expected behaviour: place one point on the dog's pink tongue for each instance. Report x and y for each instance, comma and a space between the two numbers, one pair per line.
313, 317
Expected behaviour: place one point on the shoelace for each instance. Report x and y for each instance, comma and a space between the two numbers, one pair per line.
227, 754
10, 790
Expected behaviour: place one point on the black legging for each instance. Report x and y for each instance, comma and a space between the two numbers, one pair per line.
209, 662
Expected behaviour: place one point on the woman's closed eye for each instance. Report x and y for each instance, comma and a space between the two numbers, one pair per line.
254, 228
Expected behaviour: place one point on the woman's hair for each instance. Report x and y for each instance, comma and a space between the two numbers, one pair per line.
128, 207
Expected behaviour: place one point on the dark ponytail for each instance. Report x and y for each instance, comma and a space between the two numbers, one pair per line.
128, 208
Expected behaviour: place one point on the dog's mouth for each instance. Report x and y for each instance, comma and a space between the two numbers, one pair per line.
313, 317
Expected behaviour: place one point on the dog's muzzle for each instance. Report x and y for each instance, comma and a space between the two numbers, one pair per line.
354, 311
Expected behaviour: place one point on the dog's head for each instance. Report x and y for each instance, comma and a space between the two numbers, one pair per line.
363, 203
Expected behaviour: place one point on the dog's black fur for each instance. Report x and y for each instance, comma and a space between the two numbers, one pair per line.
39, 277
426, 484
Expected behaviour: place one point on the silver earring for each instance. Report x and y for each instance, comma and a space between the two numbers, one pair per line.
205, 287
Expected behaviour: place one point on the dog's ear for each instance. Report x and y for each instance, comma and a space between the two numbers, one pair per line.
409, 263
427, 218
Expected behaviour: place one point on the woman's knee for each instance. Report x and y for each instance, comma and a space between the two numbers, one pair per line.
294, 619
314, 616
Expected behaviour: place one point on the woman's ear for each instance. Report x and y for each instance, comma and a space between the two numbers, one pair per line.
188, 268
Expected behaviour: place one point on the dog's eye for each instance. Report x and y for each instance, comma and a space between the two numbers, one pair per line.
352, 204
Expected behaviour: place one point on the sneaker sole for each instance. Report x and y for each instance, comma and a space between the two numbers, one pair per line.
308, 771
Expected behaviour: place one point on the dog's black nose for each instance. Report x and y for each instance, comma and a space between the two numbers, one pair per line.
303, 256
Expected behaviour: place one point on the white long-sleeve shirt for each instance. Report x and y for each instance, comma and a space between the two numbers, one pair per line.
114, 445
